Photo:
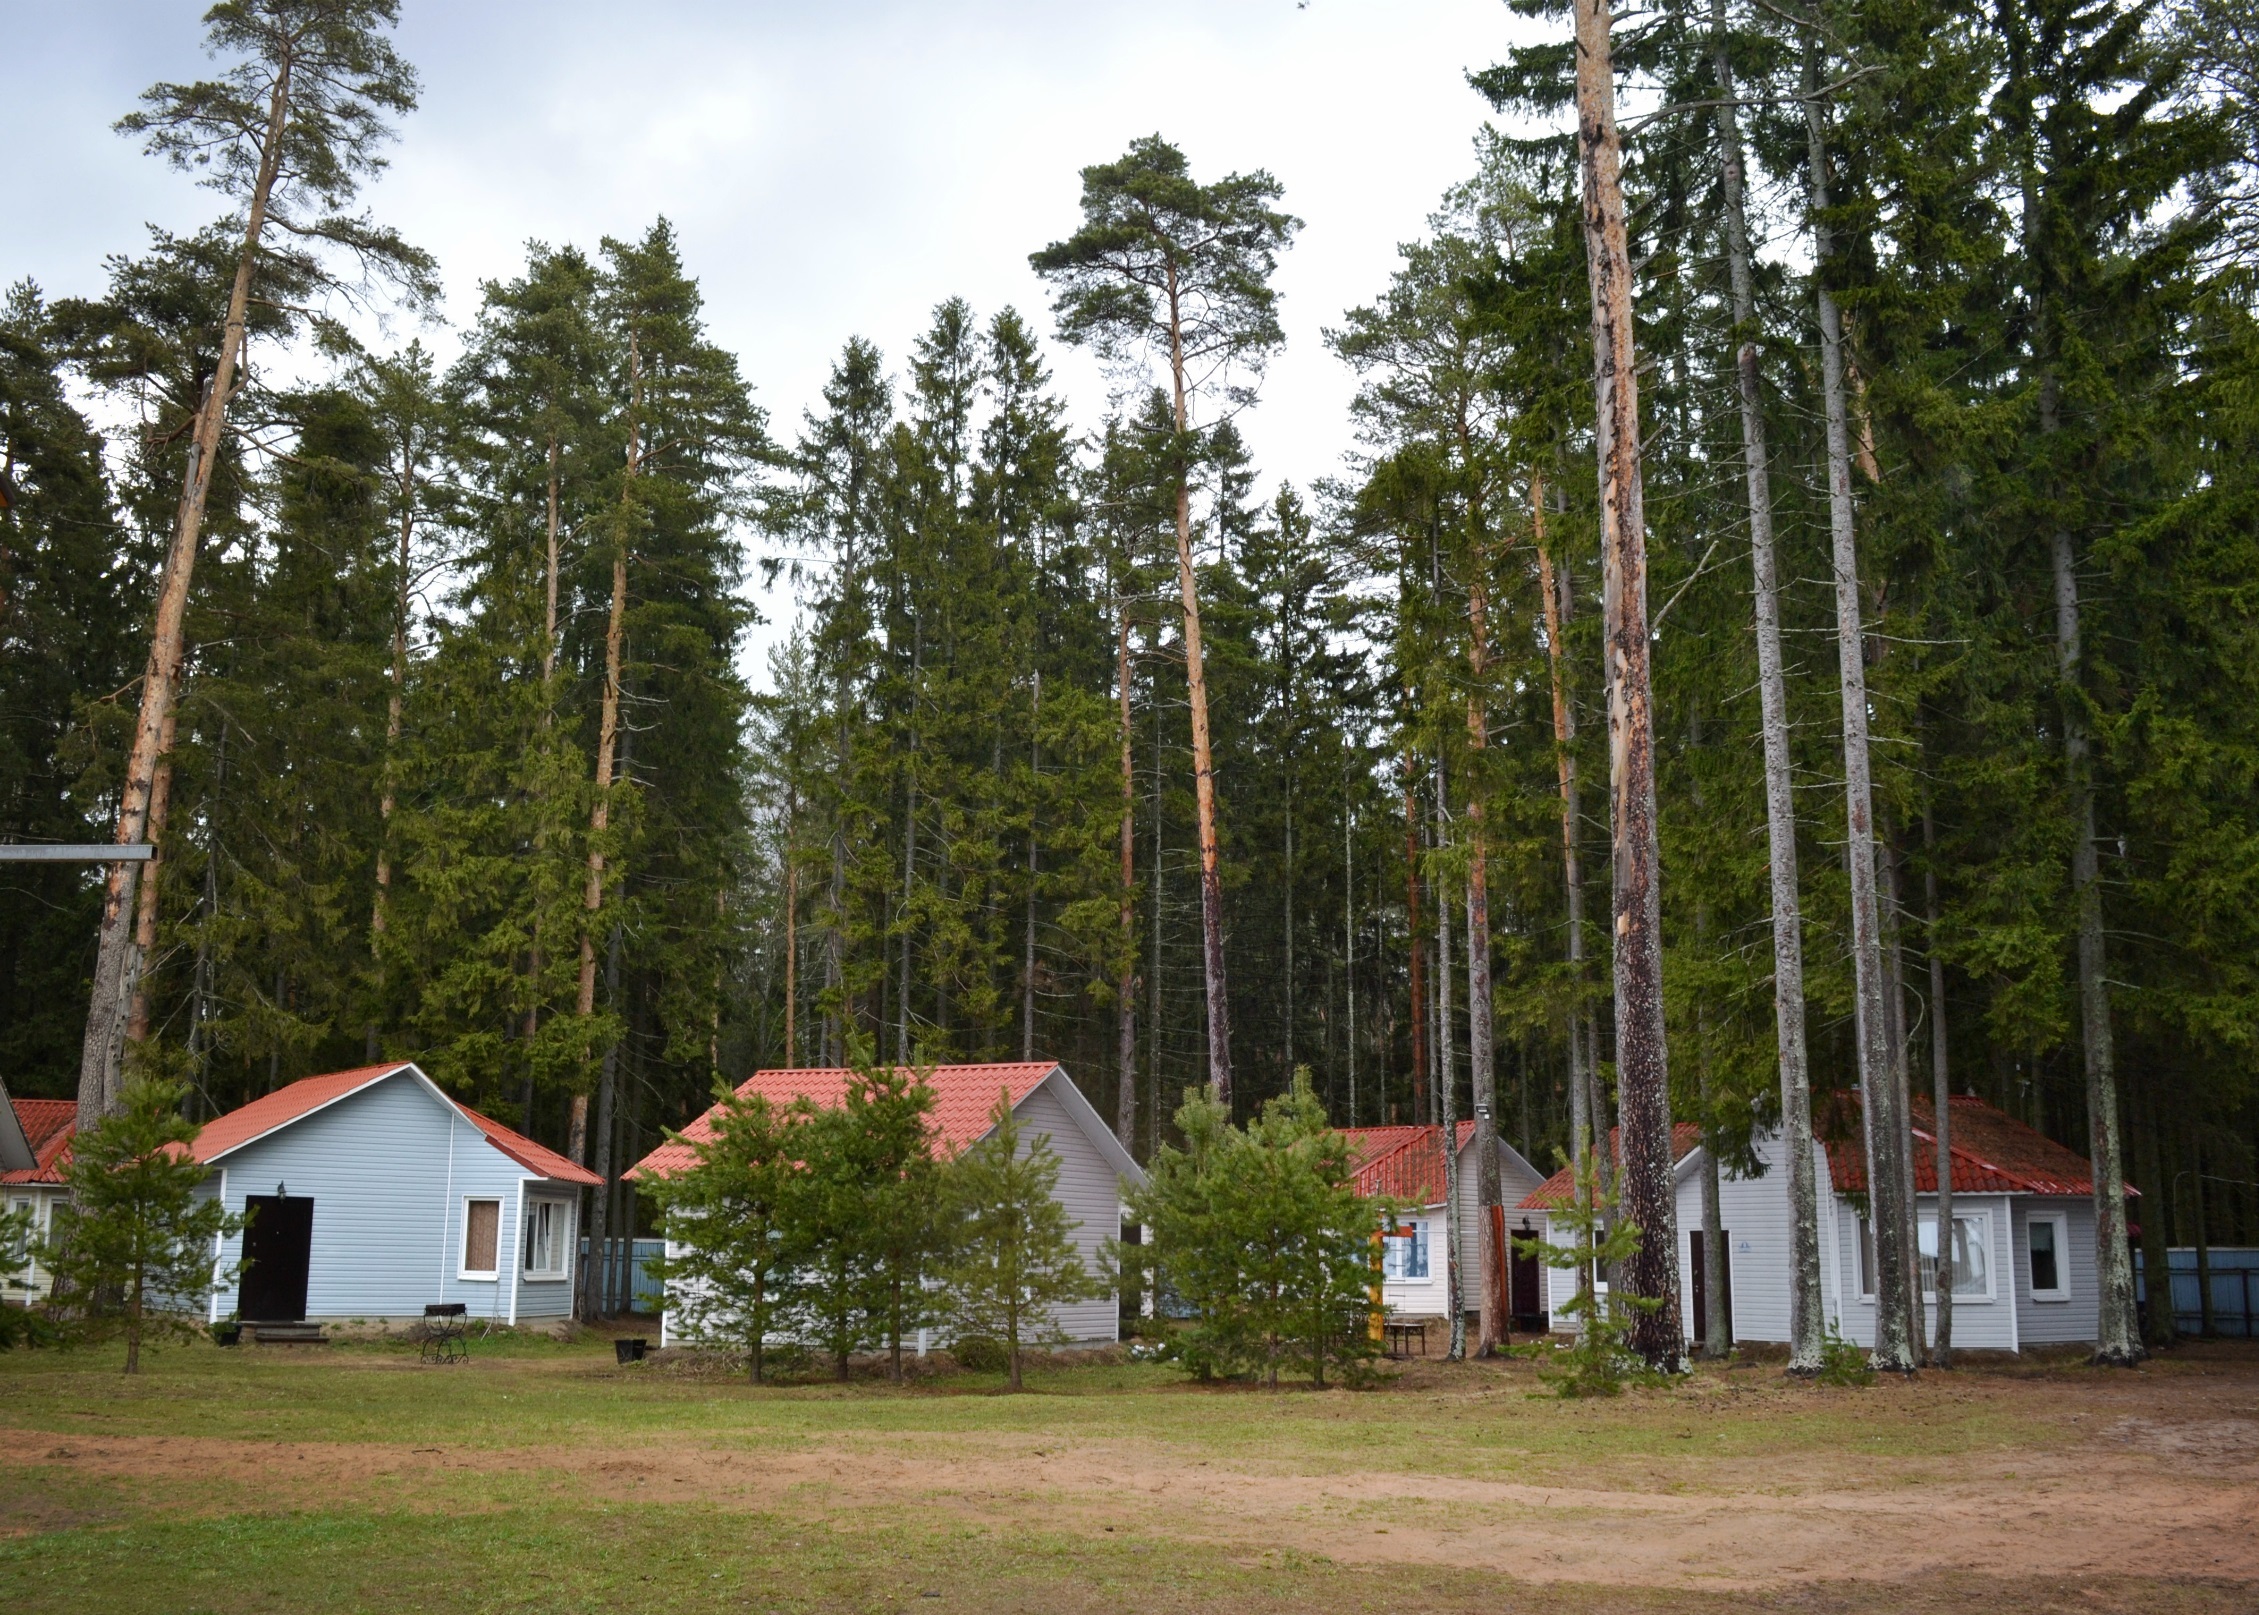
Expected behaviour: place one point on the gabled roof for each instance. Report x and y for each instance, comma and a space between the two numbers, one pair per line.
1403, 1163
963, 1097
1993, 1153
1556, 1190
48, 1125
247, 1124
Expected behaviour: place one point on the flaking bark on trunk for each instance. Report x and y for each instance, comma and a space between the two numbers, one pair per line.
117, 969
1807, 1327
1901, 1057
1643, 1102
1885, 1129
151, 887
1455, 1306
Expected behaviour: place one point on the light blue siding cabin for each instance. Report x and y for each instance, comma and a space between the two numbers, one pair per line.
1094, 1169
373, 1194
2022, 1250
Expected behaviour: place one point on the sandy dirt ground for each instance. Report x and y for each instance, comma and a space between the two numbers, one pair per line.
2153, 1475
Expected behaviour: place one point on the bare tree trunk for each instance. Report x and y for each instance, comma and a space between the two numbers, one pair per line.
1642, 1061
1125, 980
1203, 760
1807, 1306
1027, 967
909, 853
1901, 1055
600, 1201
792, 924
117, 969
2117, 1341
1584, 1115
151, 885
1887, 1138
1941, 1097
1418, 947
1454, 1293
1493, 1326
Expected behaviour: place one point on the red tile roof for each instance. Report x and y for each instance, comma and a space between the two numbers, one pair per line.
1556, 1190
963, 1097
1403, 1163
48, 1125
533, 1157
1993, 1153
256, 1120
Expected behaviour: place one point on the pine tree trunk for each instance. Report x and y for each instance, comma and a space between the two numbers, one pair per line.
600, 1201
1125, 980
2158, 1325
1492, 1329
1417, 945
1203, 760
1643, 1100
1807, 1305
1027, 967
1446, 1094
608, 720
1894, 1010
1555, 588
2116, 1342
150, 887
117, 969
1886, 1134
1941, 1097
792, 921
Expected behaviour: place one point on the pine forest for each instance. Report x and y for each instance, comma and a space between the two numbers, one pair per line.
1913, 612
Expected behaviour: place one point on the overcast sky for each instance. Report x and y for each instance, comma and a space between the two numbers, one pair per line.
833, 169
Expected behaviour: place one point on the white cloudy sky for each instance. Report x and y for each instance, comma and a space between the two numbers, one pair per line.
832, 168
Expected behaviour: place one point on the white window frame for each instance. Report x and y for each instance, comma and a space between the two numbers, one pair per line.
473, 1275
1982, 1219
562, 1242
1414, 1243
2062, 1225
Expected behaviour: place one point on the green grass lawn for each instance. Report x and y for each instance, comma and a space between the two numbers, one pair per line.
513, 1483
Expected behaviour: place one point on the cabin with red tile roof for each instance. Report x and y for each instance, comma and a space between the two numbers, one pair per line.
1094, 1170
35, 1142
1406, 1165
2022, 1246
373, 1193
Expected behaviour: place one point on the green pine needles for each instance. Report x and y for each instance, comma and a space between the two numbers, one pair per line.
1598, 1362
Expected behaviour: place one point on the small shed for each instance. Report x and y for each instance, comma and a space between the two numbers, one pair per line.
1093, 1166
35, 1142
372, 1193
1406, 1164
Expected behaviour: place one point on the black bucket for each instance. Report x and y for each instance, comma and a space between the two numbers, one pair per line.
630, 1351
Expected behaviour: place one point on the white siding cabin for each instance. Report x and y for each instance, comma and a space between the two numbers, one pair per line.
374, 1194
2023, 1250
35, 1141
1094, 1169
1405, 1164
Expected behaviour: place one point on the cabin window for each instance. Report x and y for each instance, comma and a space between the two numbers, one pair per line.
548, 1222
2046, 1236
1404, 1250
1972, 1268
482, 1238
1972, 1272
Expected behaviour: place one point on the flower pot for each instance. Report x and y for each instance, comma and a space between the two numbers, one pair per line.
227, 1334
629, 1351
